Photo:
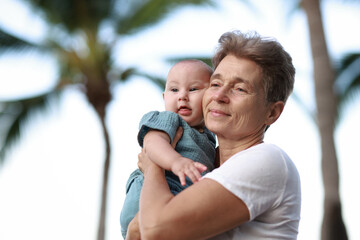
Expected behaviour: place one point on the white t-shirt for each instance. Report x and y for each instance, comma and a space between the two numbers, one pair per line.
267, 181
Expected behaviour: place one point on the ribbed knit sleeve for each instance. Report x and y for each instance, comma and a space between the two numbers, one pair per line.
165, 121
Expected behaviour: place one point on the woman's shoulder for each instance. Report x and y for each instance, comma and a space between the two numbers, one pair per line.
261, 151
263, 157
268, 150
268, 147
274, 154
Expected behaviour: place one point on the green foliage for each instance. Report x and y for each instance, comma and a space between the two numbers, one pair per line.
74, 15
83, 57
11, 43
147, 13
347, 84
13, 115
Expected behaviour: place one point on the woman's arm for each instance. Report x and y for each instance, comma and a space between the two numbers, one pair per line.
202, 210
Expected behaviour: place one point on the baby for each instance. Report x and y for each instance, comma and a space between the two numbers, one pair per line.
194, 154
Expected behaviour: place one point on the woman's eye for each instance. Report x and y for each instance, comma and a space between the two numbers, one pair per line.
214, 85
240, 88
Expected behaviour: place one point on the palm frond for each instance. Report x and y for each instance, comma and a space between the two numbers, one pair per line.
9, 42
159, 81
294, 7
142, 14
347, 84
127, 73
14, 114
303, 106
74, 15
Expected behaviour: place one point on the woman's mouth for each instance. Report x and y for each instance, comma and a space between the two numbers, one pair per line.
218, 113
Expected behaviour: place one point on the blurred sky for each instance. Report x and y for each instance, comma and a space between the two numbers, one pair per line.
50, 184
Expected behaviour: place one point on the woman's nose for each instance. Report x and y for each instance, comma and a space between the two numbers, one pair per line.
221, 95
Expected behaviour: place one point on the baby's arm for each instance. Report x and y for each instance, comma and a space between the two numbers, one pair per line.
158, 148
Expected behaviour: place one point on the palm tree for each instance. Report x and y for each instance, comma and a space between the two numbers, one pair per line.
86, 64
327, 101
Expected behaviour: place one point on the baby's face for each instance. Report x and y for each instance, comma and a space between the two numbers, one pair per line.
185, 87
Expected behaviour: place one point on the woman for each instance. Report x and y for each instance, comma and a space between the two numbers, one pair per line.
255, 191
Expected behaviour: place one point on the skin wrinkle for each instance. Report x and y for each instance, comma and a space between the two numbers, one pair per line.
228, 84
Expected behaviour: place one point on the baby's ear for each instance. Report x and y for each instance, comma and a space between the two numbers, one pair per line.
275, 110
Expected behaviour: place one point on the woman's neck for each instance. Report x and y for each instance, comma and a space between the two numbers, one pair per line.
227, 148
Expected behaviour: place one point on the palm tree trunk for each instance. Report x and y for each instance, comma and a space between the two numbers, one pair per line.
333, 227
98, 94
102, 219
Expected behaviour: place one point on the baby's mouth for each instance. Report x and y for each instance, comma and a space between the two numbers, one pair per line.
184, 111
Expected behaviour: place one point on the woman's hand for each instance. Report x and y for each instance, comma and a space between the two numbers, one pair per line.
133, 232
144, 161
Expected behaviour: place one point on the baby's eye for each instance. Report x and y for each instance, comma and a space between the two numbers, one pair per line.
174, 90
193, 89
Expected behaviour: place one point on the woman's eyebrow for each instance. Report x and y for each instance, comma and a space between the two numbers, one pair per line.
217, 75
235, 79
241, 80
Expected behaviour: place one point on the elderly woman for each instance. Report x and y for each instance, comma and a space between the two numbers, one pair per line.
255, 191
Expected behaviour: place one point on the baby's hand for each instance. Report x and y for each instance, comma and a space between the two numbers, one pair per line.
187, 167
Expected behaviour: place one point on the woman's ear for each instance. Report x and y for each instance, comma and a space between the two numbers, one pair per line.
275, 110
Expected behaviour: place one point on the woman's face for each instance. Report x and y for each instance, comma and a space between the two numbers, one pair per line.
234, 105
